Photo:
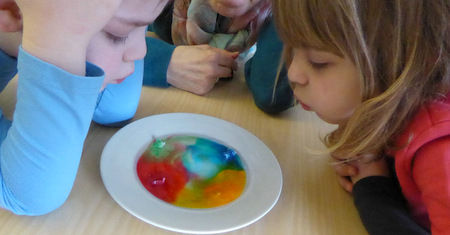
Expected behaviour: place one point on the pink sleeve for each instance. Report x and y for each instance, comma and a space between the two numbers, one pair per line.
431, 172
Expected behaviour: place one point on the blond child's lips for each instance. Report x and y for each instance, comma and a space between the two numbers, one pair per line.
304, 106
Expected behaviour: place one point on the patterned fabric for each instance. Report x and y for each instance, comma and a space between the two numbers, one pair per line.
195, 23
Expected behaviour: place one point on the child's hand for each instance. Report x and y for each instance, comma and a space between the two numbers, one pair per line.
81, 18
369, 167
350, 172
345, 171
54, 30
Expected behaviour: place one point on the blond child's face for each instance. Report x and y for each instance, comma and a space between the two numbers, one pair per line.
325, 83
122, 40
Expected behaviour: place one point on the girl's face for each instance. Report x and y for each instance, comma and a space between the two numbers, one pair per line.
325, 83
122, 40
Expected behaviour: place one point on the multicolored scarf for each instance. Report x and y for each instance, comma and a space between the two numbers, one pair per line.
195, 23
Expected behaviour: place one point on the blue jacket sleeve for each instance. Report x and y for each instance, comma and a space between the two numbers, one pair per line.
156, 62
261, 72
117, 103
40, 154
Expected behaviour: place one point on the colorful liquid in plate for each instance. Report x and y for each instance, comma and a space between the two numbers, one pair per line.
190, 171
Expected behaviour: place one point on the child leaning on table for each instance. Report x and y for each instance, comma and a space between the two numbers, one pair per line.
45, 114
380, 70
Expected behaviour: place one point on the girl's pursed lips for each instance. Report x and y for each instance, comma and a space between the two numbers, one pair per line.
304, 106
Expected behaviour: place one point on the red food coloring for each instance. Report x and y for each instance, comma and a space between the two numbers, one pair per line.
163, 179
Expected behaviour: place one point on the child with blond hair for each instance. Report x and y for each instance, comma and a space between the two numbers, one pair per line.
380, 70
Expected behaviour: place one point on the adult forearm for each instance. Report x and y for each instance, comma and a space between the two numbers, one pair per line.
156, 62
261, 72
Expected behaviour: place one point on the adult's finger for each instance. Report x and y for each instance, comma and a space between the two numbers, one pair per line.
223, 72
226, 58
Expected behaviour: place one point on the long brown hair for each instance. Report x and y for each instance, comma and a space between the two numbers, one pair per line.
400, 48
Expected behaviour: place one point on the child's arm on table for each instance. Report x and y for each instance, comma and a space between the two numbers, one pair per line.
377, 197
55, 102
118, 102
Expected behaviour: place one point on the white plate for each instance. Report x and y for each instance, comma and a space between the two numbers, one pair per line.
118, 171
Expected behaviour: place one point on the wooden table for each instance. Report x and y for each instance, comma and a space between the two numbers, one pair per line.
311, 201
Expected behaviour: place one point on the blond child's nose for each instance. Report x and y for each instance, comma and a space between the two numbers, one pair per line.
297, 76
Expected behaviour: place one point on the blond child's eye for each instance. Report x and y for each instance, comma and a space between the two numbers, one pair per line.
116, 39
317, 65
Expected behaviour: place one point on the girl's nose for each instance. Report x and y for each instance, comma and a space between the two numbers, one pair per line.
297, 72
297, 75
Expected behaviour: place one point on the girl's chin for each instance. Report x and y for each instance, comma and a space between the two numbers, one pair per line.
330, 120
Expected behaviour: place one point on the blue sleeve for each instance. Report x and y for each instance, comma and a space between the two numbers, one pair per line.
118, 102
261, 71
156, 62
40, 154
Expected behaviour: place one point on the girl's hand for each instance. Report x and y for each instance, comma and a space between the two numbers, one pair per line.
369, 167
59, 31
350, 172
345, 171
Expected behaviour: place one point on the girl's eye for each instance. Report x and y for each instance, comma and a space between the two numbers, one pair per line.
316, 65
116, 39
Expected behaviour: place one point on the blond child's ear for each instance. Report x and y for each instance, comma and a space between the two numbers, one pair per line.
10, 16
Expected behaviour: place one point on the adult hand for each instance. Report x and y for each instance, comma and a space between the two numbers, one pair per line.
59, 31
197, 68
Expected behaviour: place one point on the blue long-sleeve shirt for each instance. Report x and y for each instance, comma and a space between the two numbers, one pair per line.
41, 148
117, 103
40, 154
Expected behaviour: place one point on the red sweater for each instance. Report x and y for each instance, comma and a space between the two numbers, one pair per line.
423, 166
